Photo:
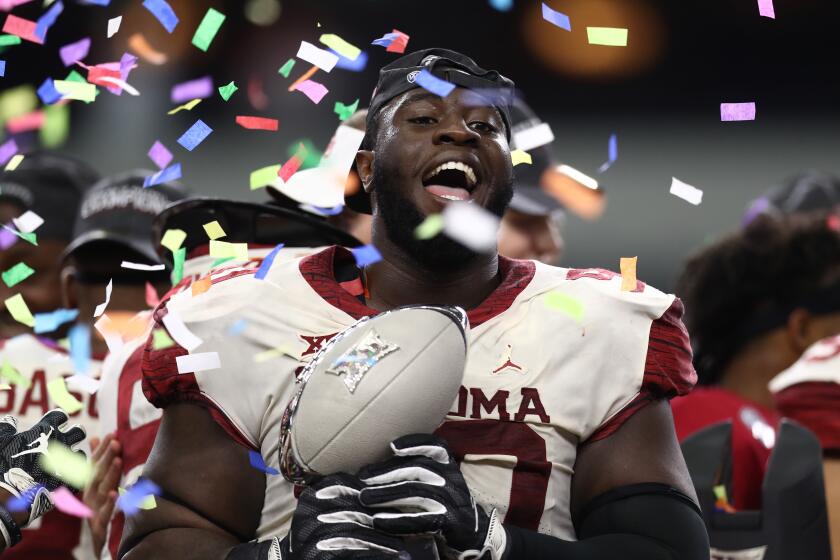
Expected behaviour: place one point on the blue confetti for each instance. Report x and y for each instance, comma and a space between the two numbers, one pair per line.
321, 211
163, 12
79, 337
502, 5
238, 327
130, 502
259, 463
2, 68
386, 40
366, 254
195, 135
612, 150
267, 262
47, 92
356, 65
430, 82
24, 501
48, 19
557, 18
48, 322
171, 173
97, 2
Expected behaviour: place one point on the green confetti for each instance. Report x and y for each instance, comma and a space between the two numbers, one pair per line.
179, 257
565, 304
68, 465
217, 262
313, 155
343, 111
207, 29
17, 101
287, 68
56, 125
17, 274
430, 227
14, 376
264, 176
161, 339
228, 90
9, 40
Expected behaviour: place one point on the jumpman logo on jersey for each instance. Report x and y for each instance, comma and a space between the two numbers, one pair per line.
314, 342
508, 363
42, 442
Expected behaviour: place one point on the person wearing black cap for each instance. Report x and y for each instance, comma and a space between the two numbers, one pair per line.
577, 406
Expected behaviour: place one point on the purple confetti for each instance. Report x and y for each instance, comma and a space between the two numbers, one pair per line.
2, 68
267, 262
136, 494
386, 40
258, 463
48, 19
612, 153
47, 92
559, 19
757, 208
7, 150
201, 88
430, 82
163, 12
160, 155
74, 51
737, 112
195, 135
171, 173
766, 9
366, 254
7, 239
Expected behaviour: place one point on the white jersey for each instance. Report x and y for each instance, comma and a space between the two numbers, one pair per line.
538, 382
40, 361
809, 391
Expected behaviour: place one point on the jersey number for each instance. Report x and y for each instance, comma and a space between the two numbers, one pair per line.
529, 483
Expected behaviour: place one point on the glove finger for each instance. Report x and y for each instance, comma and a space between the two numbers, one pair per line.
379, 473
8, 427
408, 496
55, 418
71, 437
423, 445
409, 523
352, 537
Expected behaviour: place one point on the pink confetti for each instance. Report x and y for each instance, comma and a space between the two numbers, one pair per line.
152, 298
201, 88
737, 111
23, 28
313, 90
68, 503
160, 155
7, 5
74, 51
765, 8
25, 123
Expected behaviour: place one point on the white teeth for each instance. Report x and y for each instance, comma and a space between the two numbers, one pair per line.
468, 171
449, 197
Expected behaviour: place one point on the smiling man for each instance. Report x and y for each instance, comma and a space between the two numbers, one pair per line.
562, 432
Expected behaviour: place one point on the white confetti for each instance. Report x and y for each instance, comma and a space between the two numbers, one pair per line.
202, 361
686, 192
143, 267
180, 333
114, 26
100, 309
533, 137
471, 226
325, 60
28, 222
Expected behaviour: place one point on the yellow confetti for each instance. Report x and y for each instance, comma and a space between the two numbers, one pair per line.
161, 339
80, 91
520, 156
70, 466
57, 389
14, 376
225, 250
628, 274
340, 46
19, 310
274, 353
565, 304
431, 226
214, 230
14, 162
173, 238
188, 106
608, 36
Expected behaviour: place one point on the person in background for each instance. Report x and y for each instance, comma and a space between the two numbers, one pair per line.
51, 186
755, 301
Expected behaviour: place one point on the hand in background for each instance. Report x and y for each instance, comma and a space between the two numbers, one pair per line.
101, 494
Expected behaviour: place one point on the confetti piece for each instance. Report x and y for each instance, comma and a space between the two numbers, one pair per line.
66, 502
200, 88
356, 65
79, 338
56, 125
163, 12
264, 176
13, 375
258, 463
30, 237
47, 92
195, 135
185, 107
559, 19
200, 286
224, 249
686, 192
430, 82
533, 137
343, 111
395, 42
612, 151
2, 68
214, 230
100, 309
152, 298
141, 46
161, 339
57, 389
207, 29
14, 162
179, 332
121, 85
607, 36
257, 123
26, 123
48, 322
228, 90
520, 156
340, 46
471, 226
48, 19
256, 94
366, 254
266, 263
321, 58
565, 304
287, 68
628, 273
143, 267
305, 76
737, 112
59, 460
17, 274
293, 164
173, 239
171, 173
114, 26
75, 90
23, 28
766, 9
430, 227
313, 90
136, 497
74, 51
7, 150
160, 155
84, 383
203, 361
578, 176
19, 310
28, 222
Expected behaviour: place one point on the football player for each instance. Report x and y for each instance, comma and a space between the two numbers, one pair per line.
562, 428
755, 301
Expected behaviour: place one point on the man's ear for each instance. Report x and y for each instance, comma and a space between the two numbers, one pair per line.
364, 166
801, 330
69, 287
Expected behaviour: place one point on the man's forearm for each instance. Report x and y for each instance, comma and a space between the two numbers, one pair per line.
180, 544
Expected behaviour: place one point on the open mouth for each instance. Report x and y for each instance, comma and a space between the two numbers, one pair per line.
451, 180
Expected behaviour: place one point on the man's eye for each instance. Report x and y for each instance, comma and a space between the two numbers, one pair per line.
482, 126
422, 120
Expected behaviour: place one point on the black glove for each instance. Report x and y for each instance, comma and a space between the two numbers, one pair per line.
20, 470
426, 487
329, 524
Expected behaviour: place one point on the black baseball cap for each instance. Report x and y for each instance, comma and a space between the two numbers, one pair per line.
119, 210
805, 192
51, 185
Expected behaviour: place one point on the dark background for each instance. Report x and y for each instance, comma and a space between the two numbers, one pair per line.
660, 94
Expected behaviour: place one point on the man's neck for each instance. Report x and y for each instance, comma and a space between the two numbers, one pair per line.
749, 372
399, 280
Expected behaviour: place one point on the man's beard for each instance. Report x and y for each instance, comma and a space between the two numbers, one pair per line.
401, 217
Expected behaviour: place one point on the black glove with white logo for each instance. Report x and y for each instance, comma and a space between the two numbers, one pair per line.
424, 484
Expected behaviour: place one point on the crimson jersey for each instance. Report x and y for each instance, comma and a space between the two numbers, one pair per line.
55, 536
809, 391
538, 383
